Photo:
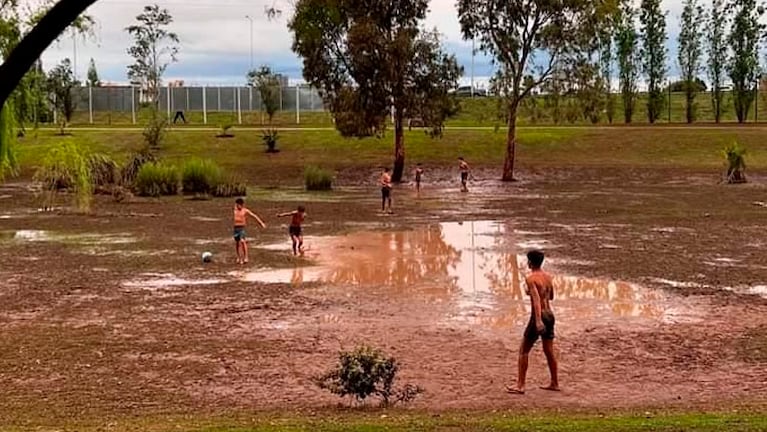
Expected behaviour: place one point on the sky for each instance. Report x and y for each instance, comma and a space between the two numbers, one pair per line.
215, 40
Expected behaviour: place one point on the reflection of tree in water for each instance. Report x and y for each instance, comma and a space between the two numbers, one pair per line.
401, 260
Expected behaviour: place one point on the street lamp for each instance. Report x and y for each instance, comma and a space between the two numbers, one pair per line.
251, 40
472, 68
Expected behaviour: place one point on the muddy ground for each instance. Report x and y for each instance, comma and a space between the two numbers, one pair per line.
662, 297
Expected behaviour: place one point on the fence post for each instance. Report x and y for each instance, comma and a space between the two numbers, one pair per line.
298, 104
55, 113
239, 107
168, 101
281, 107
756, 102
187, 101
133, 104
219, 98
90, 104
250, 99
669, 100
204, 105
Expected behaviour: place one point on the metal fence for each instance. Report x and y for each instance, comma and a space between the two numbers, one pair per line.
123, 104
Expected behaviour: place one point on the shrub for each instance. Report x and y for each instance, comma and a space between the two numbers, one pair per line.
230, 187
367, 372
66, 166
200, 176
103, 171
736, 163
133, 166
154, 132
224, 131
270, 138
318, 179
156, 179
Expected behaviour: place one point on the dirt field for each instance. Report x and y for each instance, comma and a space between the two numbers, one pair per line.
661, 302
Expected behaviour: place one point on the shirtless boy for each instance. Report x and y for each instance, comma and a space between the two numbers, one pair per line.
540, 288
418, 175
385, 183
295, 230
463, 167
240, 220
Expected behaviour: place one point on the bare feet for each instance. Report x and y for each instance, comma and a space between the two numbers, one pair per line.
514, 390
551, 387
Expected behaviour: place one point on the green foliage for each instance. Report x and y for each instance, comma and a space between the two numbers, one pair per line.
230, 187
154, 131
745, 34
224, 131
267, 83
200, 176
66, 166
154, 47
627, 55
156, 179
8, 162
132, 167
93, 75
735, 154
717, 54
689, 55
653, 35
270, 137
103, 170
318, 179
367, 372
61, 84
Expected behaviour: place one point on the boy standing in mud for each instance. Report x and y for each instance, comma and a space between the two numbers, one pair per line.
385, 183
540, 288
295, 230
240, 220
463, 167
418, 174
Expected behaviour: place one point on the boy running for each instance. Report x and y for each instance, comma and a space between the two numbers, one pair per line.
541, 291
418, 175
385, 182
295, 231
463, 167
240, 220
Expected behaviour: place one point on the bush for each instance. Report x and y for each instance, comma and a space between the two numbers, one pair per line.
318, 179
367, 372
736, 163
224, 131
133, 166
103, 171
230, 187
200, 176
66, 166
156, 179
270, 138
154, 132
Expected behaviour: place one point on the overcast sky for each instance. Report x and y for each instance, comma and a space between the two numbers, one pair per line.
215, 39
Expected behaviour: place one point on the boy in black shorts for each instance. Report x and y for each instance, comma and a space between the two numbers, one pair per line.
385, 183
295, 231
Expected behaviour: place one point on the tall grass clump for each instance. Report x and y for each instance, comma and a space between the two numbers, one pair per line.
7, 140
230, 186
157, 179
131, 168
103, 171
318, 179
735, 154
200, 176
66, 167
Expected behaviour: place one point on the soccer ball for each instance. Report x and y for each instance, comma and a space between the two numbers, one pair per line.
207, 257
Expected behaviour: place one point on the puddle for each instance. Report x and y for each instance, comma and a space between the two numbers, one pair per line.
474, 269
157, 281
205, 219
79, 239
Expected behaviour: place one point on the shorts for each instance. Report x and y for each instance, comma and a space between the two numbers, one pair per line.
294, 231
464, 176
239, 233
531, 333
418, 179
385, 193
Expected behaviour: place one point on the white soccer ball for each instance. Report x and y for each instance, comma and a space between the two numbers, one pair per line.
207, 257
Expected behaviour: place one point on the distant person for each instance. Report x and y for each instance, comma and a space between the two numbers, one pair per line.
295, 230
418, 175
463, 167
240, 220
179, 115
385, 183
540, 288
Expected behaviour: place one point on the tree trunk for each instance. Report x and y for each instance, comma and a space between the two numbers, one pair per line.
690, 100
511, 145
31, 47
399, 148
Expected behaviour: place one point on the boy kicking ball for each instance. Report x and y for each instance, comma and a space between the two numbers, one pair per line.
240, 220
295, 230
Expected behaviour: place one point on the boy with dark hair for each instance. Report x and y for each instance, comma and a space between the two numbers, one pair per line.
240, 220
295, 230
418, 175
540, 288
463, 167
385, 183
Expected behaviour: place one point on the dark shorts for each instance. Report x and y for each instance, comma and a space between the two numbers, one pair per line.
294, 230
385, 192
464, 176
418, 179
531, 333
239, 233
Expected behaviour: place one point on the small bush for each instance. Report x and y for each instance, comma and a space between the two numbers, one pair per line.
367, 372
735, 155
270, 138
200, 176
154, 132
224, 131
156, 179
103, 171
133, 166
66, 166
318, 179
230, 187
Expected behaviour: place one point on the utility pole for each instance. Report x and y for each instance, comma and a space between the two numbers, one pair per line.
251, 40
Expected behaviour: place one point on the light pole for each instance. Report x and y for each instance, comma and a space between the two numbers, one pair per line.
472, 68
251, 40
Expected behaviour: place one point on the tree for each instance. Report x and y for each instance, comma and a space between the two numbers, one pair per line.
371, 61
606, 59
267, 83
745, 33
93, 75
514, 33
717, 54
653, 35
690, 51
626, 39
154, 48
61, 83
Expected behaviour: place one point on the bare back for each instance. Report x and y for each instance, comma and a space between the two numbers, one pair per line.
542, 283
